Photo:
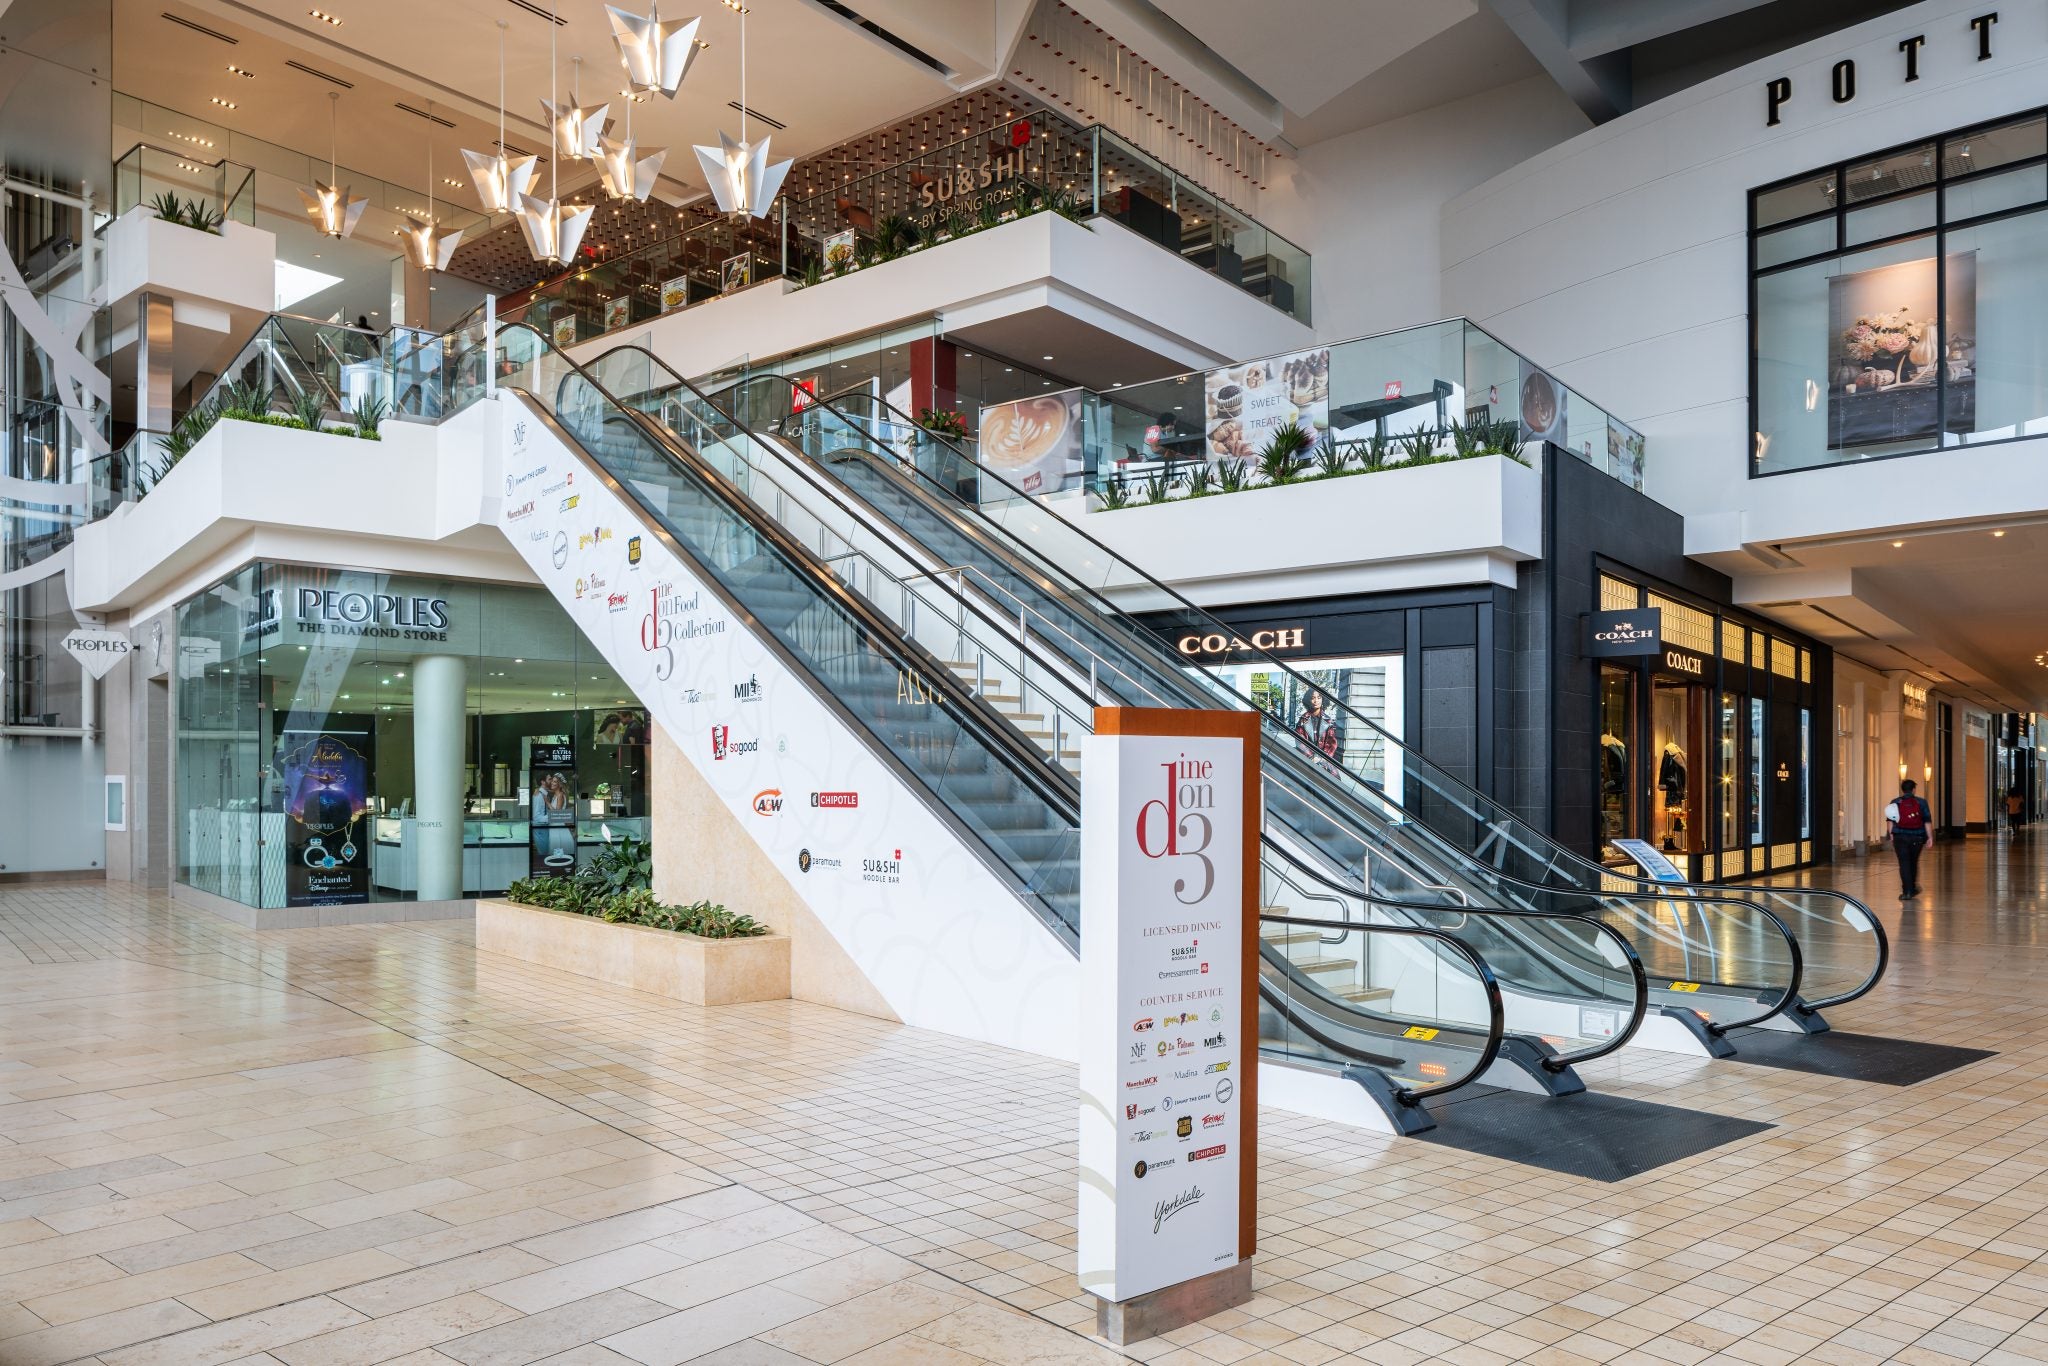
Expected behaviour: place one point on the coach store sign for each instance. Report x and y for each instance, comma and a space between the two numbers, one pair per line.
1625, 634
1271, 640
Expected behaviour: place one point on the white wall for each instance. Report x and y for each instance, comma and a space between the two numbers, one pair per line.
1619, 258
1366, 206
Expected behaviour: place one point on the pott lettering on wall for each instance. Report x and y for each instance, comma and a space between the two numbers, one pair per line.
1842, 77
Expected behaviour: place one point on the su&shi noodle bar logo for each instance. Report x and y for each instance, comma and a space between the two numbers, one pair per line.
1174, 827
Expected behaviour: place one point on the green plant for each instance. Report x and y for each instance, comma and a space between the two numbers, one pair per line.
1374, 456
198, 214
310, 408
622, 865
1419, 445
865, 251
367, 413
1332, 459
241, 399
1063, 203
942, 422
957, 225
1158, 489
1202, 480
928, 235
1285, 455
168, 207
1113, 495
814, 272
988, 215
1233, 475
706, 919
893, 232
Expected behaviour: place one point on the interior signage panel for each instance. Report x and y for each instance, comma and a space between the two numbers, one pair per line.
1635, 632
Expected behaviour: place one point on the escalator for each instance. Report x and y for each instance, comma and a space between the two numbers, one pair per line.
1740, 964
1381, 992
995, 551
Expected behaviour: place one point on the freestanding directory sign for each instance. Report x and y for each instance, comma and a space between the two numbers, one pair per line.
1170, 821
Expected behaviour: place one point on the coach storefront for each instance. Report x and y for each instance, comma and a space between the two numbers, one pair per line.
344, 737
1706, 746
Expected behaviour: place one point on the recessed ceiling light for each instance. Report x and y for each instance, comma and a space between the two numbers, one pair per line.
1996, 534
1896, 545
241, 71
324, 17
1045, 357
225, 104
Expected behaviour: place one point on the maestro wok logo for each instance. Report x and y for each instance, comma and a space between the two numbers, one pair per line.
1175, 828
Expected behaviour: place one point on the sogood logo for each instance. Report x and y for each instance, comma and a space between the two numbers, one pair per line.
768, 802
1175, 828
724, 746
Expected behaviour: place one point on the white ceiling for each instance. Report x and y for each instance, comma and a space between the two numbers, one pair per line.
447, 51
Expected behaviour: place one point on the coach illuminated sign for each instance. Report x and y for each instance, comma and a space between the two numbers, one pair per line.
1842, 76
1219, 645
1682, 661
1637, 631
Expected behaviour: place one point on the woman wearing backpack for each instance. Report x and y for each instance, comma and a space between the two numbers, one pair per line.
1909, 825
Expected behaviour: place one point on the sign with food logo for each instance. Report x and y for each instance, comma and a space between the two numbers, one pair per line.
1247, 404
1169, 974
1031, 444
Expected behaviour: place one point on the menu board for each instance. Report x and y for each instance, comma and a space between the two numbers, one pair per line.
675, 293
1246, 404
1169, 1028
618, 312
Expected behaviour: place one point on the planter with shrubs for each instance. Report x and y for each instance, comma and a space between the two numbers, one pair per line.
607, 923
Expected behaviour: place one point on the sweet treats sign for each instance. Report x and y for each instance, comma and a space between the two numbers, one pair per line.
1246, 404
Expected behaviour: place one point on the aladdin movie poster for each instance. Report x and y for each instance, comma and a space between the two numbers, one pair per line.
327, 798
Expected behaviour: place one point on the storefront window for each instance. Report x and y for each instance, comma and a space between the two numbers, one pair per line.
1678, 733
1756, 770
1897, 301
326, 718
1367, 685
1617, 758
1729, 792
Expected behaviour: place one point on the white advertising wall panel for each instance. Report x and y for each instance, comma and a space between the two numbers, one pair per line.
946, 943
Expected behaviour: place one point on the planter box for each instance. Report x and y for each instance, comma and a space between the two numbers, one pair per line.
704, 972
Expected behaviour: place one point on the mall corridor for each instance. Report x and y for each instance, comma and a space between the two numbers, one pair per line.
372, 1143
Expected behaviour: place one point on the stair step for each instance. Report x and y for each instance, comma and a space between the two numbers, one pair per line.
1325, 964
1367, 994
1290, 936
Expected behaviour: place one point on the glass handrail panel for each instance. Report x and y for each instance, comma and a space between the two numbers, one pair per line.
1464, 827
1011, 810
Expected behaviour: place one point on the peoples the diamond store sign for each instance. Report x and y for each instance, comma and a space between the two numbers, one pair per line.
98, 649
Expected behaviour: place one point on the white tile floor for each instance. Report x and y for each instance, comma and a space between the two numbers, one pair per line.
373, 1144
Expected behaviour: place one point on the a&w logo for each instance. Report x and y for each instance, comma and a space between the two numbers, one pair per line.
1176, 828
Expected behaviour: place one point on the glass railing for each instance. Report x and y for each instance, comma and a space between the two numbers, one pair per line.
172, 185
988, 779
703, 263
1027, 557
1418, 395
1038, 164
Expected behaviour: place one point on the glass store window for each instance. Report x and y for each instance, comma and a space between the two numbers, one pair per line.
1368, 685
322, 713
1897, 302
1617, 758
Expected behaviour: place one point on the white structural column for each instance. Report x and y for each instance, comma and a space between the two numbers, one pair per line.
438, 713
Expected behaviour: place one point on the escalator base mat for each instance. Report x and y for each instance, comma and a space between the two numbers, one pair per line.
1853, 1057
1598, 1137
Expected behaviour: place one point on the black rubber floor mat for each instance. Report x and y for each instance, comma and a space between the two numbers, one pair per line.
1599, 1137
1854, 1057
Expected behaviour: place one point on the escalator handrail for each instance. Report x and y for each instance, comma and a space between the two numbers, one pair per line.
1710, 896
1632, 960
879, 632
706, 469
1496, 1009
1409, 757
1783, 1002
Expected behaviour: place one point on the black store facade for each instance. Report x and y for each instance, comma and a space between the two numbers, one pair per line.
1707, 735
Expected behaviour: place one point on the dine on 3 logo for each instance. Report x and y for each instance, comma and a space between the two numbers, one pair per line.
1175, 828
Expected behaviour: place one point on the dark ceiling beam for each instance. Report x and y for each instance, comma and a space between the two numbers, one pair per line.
1600, 87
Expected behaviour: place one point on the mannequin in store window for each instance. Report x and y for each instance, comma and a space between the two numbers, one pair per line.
1613, 764
1671, 778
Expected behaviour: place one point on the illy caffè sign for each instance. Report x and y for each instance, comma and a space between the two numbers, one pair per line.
1624, 634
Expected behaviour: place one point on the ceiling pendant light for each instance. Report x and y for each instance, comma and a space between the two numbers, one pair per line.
553, 230
577, 128
329, 206
656, 55
741, 179
502, 178
627, 175
425, 248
